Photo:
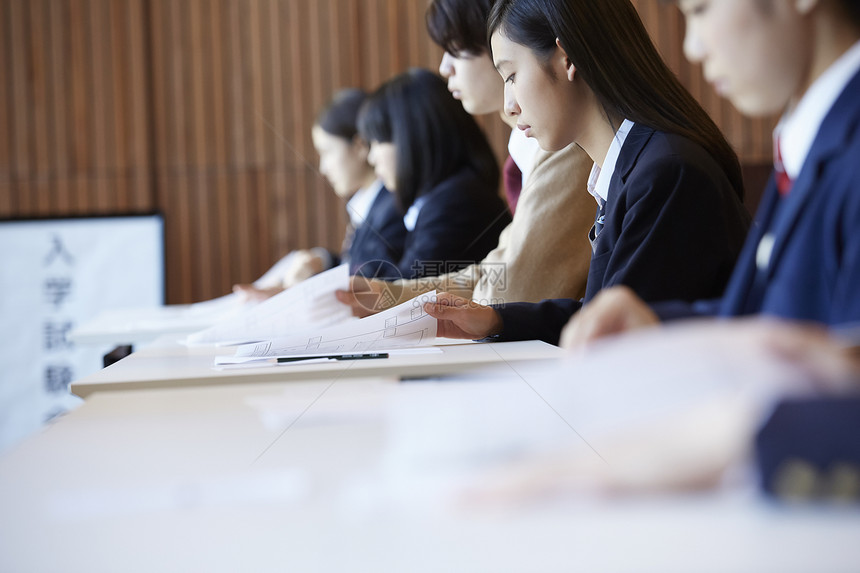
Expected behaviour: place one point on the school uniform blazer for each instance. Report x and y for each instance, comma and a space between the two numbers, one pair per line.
813, 271
380, 239
458, 225
672, 229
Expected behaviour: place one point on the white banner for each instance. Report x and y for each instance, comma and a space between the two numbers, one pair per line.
54, 275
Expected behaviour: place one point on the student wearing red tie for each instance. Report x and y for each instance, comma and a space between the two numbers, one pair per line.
802, 259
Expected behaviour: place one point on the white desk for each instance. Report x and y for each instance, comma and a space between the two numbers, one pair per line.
203, 479
170, 366
136, 326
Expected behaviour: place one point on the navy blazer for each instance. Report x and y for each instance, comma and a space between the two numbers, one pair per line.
380, 239
673, 227
813, 272
457, 226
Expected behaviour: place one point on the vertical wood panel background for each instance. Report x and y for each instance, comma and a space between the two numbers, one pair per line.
202, 109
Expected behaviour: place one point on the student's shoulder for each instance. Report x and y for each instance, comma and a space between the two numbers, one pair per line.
665, 148
462, 179
465, 187
843, 188
659, 157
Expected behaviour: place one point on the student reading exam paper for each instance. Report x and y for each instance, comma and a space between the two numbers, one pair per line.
667, 186
802, 261
375, 233
544, 252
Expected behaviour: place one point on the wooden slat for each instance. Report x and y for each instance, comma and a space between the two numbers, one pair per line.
21, 135
119, 122
276, 116
38, 72
139, 94
100, 70
7, 107
222, 243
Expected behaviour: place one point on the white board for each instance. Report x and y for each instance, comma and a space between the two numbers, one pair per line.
55, 274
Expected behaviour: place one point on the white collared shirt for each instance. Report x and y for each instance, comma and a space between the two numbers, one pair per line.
523, 150
358, 206
410, 219
799, 126
598, 181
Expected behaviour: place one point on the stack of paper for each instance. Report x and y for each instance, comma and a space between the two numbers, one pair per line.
309, 304
403, 326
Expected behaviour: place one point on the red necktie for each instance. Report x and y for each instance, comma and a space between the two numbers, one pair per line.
783, 181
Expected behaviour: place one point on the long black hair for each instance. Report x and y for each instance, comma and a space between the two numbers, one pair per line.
612, 52
433, 135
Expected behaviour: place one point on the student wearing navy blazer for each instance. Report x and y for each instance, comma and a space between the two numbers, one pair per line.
375, 234
802, 258
379, 238
670, 221
434, 157
458, 224
673, 228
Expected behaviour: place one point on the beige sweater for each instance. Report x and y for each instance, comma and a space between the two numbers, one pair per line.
543, 253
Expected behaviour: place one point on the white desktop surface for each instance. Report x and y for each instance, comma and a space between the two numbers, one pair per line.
133, 326
199, 479
170, 365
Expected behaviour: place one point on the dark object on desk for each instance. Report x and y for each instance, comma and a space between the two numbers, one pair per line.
358, 356
810, 449
116, 355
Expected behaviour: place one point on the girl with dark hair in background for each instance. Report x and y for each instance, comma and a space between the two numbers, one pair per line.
436, 160
375, 234
670, 219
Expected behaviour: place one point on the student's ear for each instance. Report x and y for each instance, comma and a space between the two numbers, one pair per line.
565, 63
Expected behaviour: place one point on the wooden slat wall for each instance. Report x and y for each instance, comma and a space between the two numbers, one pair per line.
202, 109
74, 134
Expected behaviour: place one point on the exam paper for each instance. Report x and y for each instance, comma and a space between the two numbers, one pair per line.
309, 304
404, 325
233, 303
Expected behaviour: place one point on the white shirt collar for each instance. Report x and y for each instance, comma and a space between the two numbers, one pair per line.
523, 151
798, 128
410, 219
598, 181
358, 206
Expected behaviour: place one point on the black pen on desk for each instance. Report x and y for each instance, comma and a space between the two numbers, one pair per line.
366, 356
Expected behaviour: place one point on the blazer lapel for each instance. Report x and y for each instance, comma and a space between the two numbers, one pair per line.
632, 149
837, 128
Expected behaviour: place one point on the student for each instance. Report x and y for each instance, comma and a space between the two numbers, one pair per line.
670, 222
460, 28
436, 160
375, 233
544, 252
802, 260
